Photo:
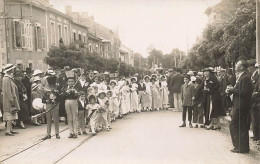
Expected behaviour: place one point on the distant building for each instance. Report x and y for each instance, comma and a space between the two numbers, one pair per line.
3, 55
110, 38
126, 55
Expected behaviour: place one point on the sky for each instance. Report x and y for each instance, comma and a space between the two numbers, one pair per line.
161, 24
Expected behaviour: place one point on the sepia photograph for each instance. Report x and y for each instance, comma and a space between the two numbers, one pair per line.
129, 81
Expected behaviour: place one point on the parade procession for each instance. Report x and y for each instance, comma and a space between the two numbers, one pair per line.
187, 91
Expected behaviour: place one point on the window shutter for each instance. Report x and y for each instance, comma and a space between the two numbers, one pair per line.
35, 38
23, 34
43, 38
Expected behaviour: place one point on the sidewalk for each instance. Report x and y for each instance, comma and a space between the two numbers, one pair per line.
26, 138
225, 128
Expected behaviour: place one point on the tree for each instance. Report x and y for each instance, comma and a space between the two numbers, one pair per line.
65, 56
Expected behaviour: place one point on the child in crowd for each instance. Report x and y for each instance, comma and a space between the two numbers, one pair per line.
110, 110
114, 104
133, 95
187, 96
92, 108
82, 103
155, 93
147, 97
103, 111
141, 94
197, 104
164, 93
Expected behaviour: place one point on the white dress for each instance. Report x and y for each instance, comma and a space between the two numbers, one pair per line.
133, 97
164, 94
147, 96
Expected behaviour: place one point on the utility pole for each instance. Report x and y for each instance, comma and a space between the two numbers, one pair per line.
258, 31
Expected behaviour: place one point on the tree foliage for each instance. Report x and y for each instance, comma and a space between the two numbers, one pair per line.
226, 42
75, 57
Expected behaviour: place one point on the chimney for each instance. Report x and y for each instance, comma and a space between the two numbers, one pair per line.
68, 10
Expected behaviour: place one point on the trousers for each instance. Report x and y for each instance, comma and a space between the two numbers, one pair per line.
239, 130
185, 108
53, 114
71, 107
177, 101
81, 121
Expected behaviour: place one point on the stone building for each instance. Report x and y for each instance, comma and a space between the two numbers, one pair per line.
3, 55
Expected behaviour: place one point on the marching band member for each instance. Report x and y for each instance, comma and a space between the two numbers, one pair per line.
71, 104
147, 97
133, 95
82, 103
82, 84
52, 105
164, 93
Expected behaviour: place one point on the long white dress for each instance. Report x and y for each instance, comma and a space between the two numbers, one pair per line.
133, 97
114, 103
124, 93
164, 94
156, 102
147, 97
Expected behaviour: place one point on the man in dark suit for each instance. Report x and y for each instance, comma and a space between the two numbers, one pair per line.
176, 83
242, 94
27, 84
169, 78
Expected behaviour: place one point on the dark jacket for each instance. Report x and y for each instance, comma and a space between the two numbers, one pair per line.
169, 78
176, 83
80, 107
242, 93
140, 88
79, 88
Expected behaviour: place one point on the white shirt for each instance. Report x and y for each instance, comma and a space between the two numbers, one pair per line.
82, 83
82, 103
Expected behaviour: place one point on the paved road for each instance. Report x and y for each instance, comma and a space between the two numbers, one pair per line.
156, 138
140, 138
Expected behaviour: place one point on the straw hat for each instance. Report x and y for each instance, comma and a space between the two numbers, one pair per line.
8, 67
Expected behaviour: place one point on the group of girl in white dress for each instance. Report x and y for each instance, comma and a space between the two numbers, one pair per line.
113, 100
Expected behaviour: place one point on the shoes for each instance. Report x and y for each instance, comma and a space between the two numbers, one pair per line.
75, 136
217, 128
183, 125
190, 125
22, 127
79, 133
202, 126
196, 126
258, 142
108, 129
36, 124
94, 133
46, 137
57, 136
71, 135
85, 133
13, 132
209, 128
235, 150
9, 134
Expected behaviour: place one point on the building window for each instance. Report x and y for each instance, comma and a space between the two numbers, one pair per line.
74, 36
38, 38
23, 34
80, 37
84, 39
90, 48
65, 35
52, 33
59, 33
43, 38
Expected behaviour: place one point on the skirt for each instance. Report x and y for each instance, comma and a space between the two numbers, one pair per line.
10, 116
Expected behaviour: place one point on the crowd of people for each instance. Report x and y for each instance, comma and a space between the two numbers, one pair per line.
90, 99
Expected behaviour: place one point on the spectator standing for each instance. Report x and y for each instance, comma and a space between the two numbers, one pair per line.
242, 92
176, 83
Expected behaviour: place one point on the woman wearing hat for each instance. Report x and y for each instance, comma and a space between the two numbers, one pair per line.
213, 108
147, 97
23, 114
114, 103
10, 99
133, 95
155, 92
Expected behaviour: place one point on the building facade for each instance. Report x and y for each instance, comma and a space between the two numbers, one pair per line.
33, 27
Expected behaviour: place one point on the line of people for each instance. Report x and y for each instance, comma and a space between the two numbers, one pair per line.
83, 99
